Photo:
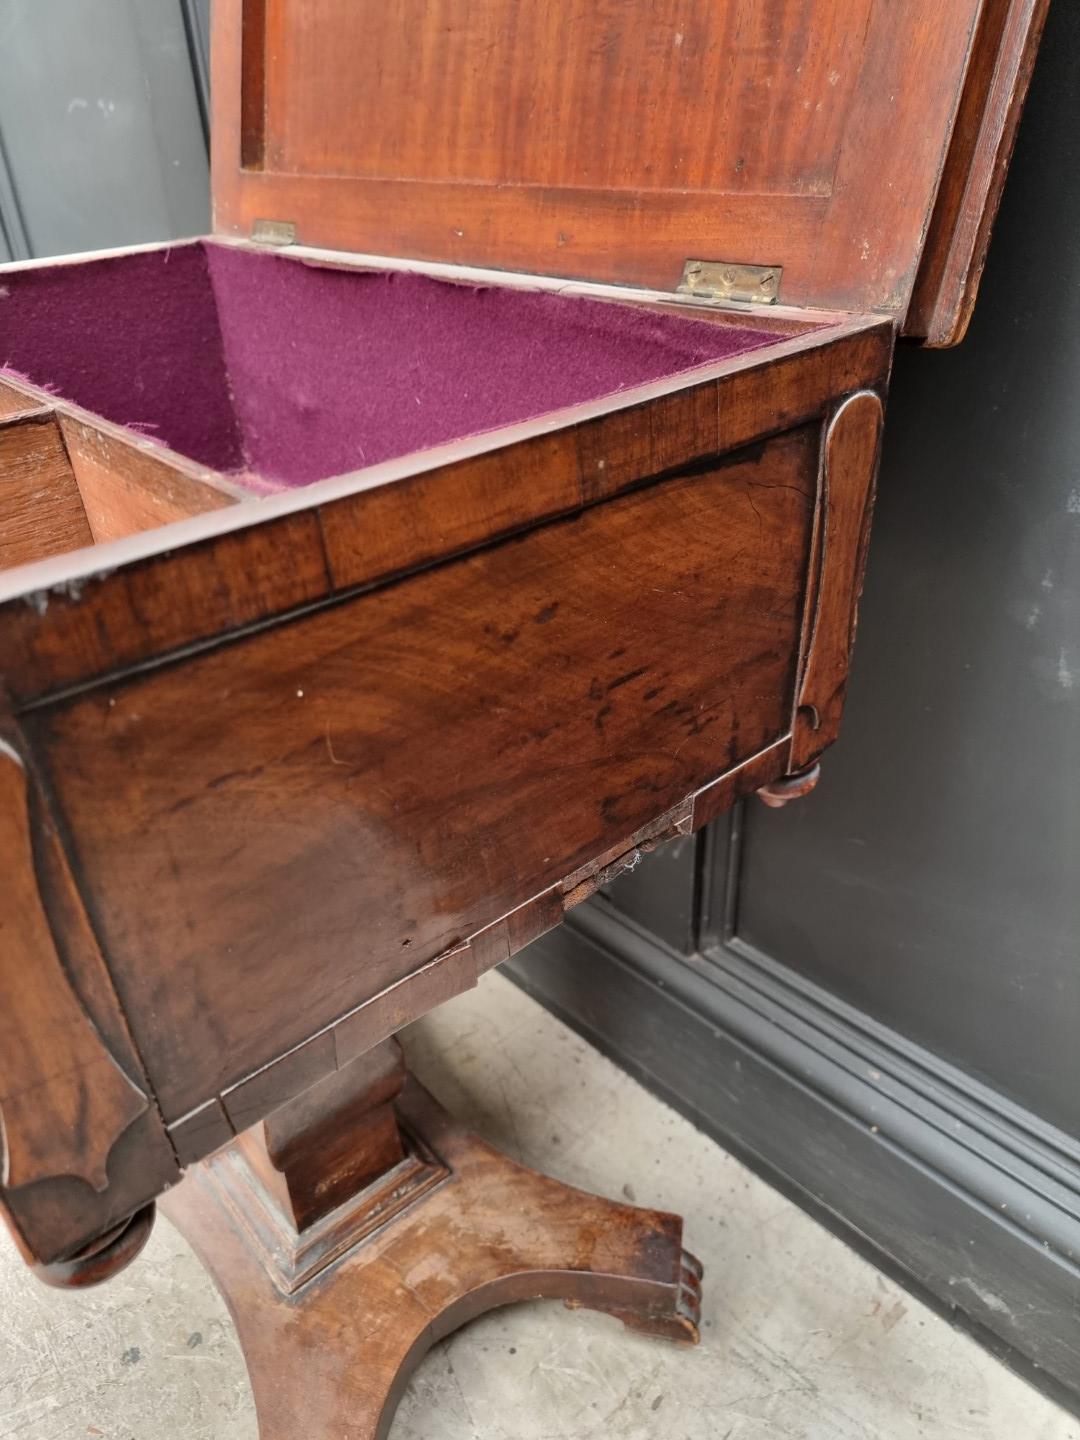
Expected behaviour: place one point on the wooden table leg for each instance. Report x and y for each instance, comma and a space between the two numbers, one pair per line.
336, 1303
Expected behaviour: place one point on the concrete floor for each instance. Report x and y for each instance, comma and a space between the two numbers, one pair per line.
801, 1338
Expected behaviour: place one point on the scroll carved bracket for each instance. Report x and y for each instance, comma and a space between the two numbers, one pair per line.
64, 1100
846, 493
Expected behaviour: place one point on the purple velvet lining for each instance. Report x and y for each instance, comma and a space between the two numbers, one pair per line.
292, 372
135, 339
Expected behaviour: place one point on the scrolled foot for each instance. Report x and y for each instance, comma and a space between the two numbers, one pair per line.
681, 1322
791, 787
106, 1257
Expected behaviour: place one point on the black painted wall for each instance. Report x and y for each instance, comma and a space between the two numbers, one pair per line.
934, 880
922, 908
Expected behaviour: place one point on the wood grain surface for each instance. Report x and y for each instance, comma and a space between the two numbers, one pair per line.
83, 1145
15, 401
126, 487
321, 808
611, 144
956, 244
78, 1107
41, 510
64, 1101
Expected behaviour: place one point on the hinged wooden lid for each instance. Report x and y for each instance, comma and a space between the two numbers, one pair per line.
857, 146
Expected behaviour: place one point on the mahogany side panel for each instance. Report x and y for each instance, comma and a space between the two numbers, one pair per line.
848, 471
41, 511
322, 807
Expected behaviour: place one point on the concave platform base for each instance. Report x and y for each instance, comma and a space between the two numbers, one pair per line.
468, 1230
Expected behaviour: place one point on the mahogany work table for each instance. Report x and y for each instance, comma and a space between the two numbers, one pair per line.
362, 615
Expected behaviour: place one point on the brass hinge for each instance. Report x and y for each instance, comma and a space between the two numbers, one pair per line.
273, 232
721, 280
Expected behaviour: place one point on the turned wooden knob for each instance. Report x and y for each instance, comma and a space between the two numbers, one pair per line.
791, 787
103, 1258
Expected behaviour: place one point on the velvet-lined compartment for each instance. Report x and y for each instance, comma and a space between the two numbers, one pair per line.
272, 369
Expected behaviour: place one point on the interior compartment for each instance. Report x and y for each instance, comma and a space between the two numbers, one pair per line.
279, 372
